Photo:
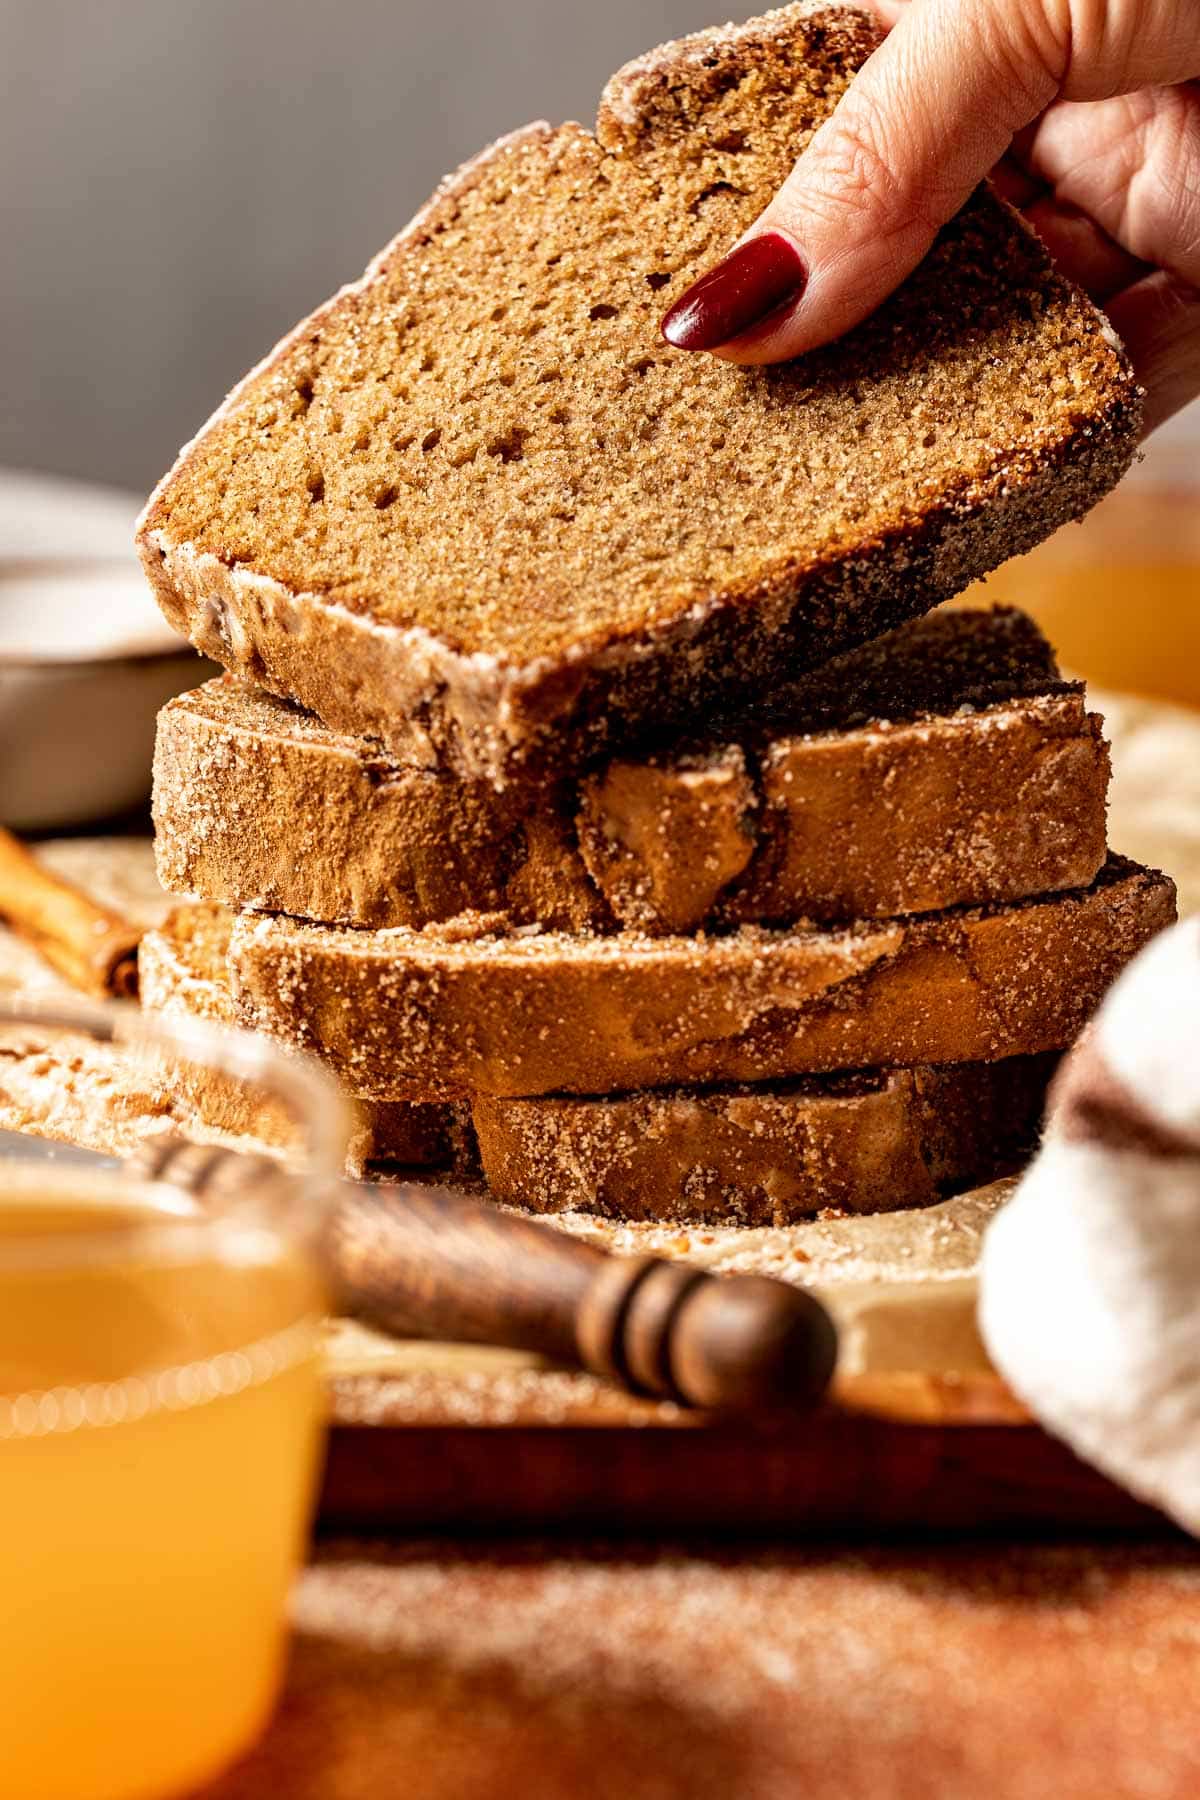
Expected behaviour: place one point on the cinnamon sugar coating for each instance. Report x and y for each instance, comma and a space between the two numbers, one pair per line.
751, 1156
424, 1015
765, 1155
944, 764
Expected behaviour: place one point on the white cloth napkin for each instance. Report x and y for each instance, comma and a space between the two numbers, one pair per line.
1090, 1279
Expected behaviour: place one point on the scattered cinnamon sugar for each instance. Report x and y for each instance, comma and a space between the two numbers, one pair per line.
683, 1671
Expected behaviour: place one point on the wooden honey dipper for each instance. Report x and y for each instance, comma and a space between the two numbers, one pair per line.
420, 1261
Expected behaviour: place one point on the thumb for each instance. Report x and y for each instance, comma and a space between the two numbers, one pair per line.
921, 124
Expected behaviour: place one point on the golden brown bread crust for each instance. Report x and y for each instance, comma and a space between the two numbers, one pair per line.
943, 765
764, 1155
182, 963
753, 1156
510, 562
399, 1014
182, 969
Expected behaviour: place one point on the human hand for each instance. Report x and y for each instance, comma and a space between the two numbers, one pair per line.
1085, 114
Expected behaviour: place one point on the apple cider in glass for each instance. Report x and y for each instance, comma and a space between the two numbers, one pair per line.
160, 1424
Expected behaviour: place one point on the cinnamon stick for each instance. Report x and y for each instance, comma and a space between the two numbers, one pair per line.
92, 946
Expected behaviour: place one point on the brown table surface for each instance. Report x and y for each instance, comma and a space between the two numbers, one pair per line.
463, 1671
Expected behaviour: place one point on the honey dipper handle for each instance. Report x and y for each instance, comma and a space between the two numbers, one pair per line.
427, 1262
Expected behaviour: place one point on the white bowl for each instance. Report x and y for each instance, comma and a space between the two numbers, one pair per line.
86, 661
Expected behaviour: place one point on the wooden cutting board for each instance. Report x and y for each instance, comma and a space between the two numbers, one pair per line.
452, 1436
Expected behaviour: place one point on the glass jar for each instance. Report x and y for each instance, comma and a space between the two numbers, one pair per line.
161, 1419
1119, 594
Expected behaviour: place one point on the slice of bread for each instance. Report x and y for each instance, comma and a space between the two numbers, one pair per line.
945, 764
866, 1142
458, 1009
475, 508
257, 804
753, 1155
183, 968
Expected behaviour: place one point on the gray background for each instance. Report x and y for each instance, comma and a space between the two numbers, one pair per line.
180, 180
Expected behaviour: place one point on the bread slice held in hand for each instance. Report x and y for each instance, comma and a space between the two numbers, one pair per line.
474, 507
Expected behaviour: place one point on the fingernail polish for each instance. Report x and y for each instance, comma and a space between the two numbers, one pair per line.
760, 277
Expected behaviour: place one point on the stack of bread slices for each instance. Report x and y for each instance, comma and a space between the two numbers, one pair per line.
593, 788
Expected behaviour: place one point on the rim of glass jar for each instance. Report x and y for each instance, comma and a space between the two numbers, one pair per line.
153, 1232
293, 1208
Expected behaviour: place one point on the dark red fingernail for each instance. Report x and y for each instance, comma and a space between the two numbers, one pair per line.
760, 277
